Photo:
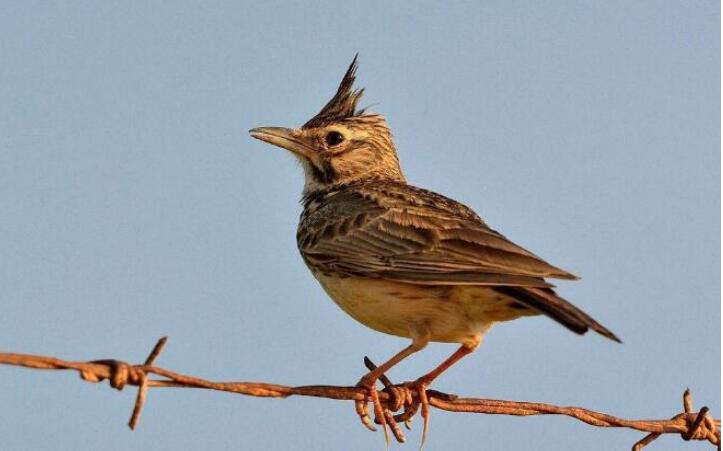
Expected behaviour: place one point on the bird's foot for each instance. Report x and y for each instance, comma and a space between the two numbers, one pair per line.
397, 396
368, 382
411, 396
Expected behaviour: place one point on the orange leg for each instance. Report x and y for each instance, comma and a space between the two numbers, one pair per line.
423, 382
460, 353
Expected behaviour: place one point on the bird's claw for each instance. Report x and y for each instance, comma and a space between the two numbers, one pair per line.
398, 396
363, 412
413, 404
380, 417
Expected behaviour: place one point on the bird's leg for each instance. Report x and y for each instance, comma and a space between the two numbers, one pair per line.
370, 379
421, 384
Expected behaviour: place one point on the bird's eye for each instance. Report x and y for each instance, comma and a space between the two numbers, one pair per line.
334, 138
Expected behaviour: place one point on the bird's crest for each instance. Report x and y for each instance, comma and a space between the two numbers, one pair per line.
343, 104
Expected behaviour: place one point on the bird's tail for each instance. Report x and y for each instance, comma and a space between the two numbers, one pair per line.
547, 302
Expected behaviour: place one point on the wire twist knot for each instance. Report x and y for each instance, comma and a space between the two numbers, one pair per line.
121, 374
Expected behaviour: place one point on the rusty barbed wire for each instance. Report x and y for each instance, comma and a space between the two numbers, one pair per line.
689, 424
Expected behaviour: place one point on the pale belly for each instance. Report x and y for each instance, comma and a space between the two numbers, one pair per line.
451, 314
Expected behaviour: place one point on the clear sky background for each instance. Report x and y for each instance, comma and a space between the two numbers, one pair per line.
133, 204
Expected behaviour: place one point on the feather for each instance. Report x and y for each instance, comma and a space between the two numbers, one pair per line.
343, 104
549, 303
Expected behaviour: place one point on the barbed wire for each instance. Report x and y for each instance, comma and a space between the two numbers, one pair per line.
689, 424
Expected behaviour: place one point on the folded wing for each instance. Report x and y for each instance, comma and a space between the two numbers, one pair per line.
412, 235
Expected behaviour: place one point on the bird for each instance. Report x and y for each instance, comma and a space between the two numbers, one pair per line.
403, 260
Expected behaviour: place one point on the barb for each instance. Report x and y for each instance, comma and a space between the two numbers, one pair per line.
690, 424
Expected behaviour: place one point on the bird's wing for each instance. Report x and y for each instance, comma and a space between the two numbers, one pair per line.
403, 233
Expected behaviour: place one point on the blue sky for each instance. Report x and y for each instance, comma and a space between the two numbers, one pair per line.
135, 205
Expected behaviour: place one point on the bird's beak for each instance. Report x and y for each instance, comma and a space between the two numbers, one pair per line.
281, 137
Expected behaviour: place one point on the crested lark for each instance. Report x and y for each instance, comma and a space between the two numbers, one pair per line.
400, 259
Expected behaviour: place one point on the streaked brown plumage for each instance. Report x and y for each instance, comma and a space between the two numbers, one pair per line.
400, 259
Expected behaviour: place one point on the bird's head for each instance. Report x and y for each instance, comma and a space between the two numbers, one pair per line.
340, 144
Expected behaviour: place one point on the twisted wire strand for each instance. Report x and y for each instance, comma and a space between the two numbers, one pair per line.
689, 424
